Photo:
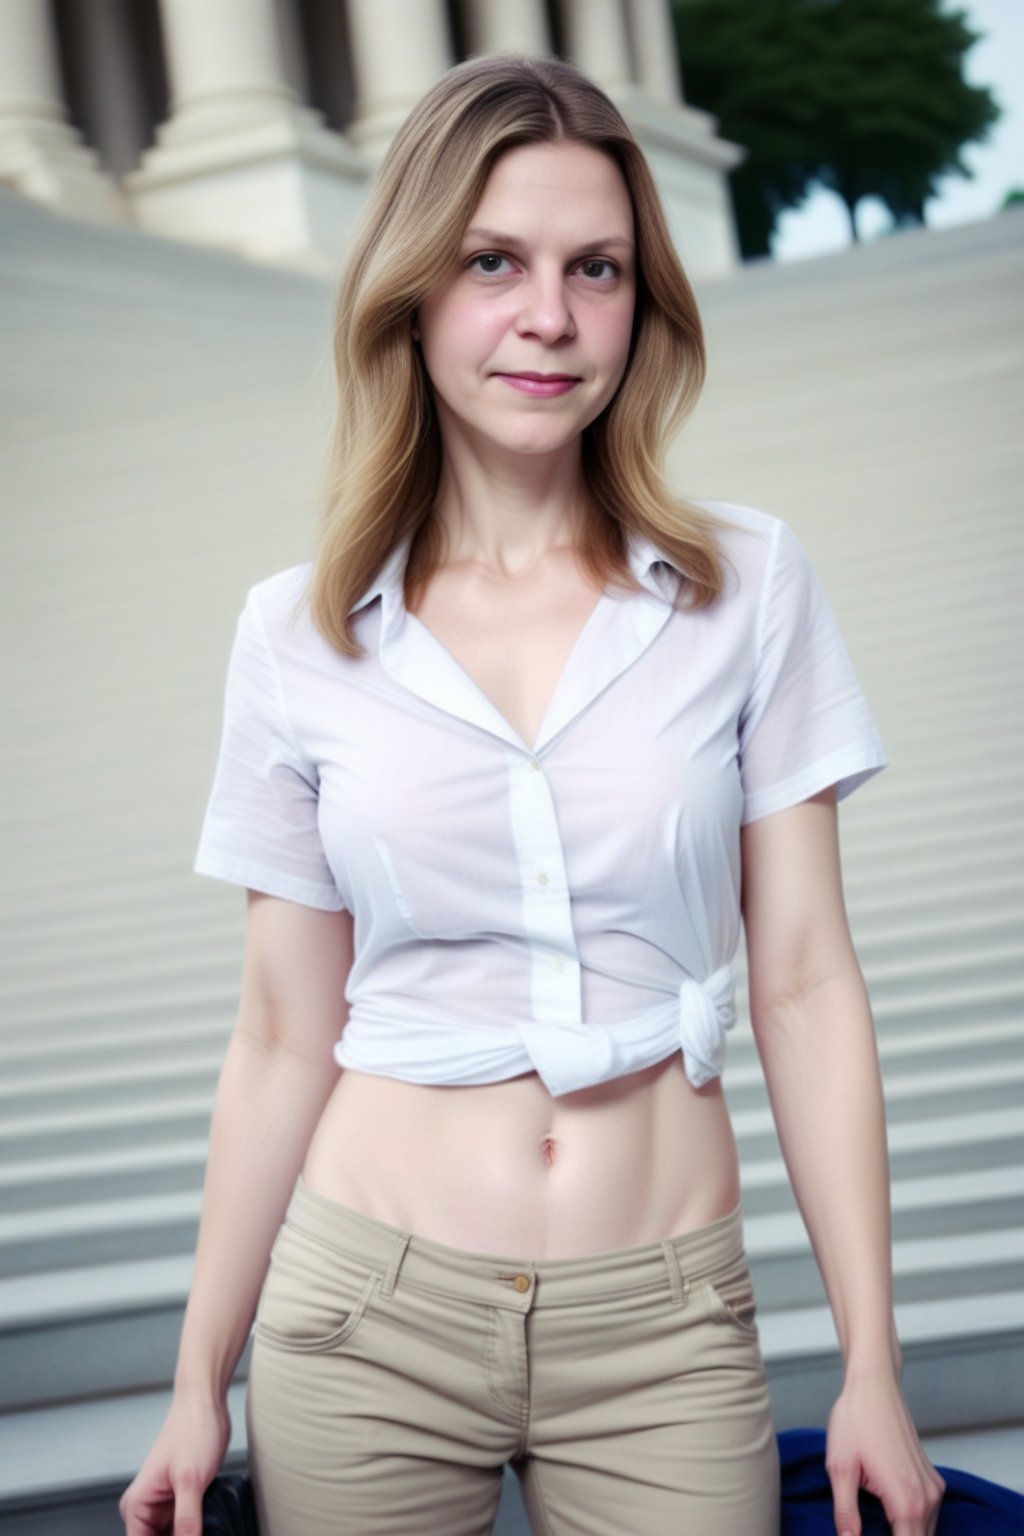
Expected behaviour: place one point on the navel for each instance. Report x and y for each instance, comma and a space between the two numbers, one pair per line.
548, 1149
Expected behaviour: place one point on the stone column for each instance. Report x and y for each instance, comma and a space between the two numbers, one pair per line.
597, 40
40, 153
400, 49
496, 26
241, 163
691, 164
654, 49
223, 64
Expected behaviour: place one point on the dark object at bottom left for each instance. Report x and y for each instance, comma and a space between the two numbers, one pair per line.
228, 1507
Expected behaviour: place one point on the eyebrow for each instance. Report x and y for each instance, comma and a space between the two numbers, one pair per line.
495, 237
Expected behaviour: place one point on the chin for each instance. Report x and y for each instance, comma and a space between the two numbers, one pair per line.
540, 438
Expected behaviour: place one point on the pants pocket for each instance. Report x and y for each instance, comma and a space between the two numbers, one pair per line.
730, 1301
314, 1298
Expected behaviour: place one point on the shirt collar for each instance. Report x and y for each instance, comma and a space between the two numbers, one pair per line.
655, 572
390, 578
652, 569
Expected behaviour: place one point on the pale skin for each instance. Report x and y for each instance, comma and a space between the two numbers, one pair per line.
546, 286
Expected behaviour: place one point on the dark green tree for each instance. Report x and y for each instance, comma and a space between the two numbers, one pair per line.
865, 97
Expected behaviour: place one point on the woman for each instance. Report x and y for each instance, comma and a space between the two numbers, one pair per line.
492, 771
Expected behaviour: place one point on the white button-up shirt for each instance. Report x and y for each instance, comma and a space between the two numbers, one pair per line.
570, 907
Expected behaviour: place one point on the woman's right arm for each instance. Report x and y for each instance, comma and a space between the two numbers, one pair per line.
277, 1077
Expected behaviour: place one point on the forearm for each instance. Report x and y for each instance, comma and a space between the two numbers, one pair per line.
267, 1105
821, 1068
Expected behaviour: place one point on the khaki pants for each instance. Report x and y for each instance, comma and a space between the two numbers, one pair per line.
392, 1378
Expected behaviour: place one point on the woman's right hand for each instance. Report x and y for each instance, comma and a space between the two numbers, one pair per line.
167, 1494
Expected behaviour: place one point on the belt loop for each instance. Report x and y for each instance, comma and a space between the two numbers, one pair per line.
678, 1283
397, 1255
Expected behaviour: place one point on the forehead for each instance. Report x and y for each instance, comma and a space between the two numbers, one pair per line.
566, 181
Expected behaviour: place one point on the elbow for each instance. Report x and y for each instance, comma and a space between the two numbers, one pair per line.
808, 998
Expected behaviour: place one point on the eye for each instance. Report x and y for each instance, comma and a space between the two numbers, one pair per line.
596, 267
490, 263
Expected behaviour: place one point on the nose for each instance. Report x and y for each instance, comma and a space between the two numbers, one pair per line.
545, 311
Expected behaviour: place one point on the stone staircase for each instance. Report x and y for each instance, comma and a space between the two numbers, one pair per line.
164, 414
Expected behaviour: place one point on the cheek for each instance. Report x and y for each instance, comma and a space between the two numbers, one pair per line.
459, 337
616, 334
610, 339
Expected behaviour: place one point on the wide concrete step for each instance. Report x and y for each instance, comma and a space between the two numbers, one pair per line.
187, 1000
973, 1263
929, 1206
119, 965
45, 1182
91, 1129
102, 1046
106, 944
918, 1147
66, 1466
934, 1005
134, 1083
956, 1087
947, 888
963, 1361
900, 1053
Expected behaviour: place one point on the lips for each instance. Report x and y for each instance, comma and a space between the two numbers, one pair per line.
540, 385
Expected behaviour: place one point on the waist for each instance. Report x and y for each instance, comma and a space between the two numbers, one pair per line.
504, 1167
515, 1279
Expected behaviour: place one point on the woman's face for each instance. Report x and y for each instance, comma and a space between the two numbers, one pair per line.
527, 342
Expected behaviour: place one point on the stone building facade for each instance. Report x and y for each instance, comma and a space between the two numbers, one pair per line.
254, 125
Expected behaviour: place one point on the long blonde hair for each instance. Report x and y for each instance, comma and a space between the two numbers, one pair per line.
385, 454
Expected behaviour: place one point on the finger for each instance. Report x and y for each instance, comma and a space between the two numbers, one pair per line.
911, 1521
919, 1513
940, 1490
188, 1506
845, 1485
144, 1520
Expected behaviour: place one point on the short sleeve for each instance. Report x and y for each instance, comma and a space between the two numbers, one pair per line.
260, 829
805, 724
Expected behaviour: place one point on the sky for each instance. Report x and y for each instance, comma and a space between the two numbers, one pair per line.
997, 61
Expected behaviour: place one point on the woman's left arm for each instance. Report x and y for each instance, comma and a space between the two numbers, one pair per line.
815, 1037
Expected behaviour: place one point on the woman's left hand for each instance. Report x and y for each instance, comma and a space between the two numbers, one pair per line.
872, 1444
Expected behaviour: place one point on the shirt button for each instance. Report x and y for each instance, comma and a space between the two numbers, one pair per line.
558, 964
542, 878
534, 764
521, 1283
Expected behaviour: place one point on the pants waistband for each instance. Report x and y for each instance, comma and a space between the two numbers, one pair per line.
510, 1279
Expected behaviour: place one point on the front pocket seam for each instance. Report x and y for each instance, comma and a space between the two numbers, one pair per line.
327, 1341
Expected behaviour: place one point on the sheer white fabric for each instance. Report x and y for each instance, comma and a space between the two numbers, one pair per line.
570, 908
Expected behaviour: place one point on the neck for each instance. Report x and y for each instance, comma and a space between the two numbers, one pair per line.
507, 516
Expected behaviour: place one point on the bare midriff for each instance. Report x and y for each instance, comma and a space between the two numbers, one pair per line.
504, 1168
